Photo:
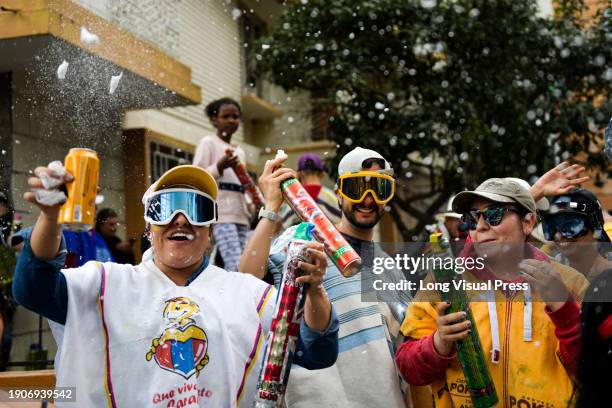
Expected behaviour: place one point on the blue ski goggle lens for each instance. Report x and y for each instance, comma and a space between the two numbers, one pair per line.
162, 206
569, 225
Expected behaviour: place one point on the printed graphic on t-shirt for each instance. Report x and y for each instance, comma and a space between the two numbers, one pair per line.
182, 346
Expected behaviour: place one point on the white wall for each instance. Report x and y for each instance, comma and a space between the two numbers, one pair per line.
99, 7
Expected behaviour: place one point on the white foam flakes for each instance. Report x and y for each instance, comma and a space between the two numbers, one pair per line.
61, 70
114, 83
89, 38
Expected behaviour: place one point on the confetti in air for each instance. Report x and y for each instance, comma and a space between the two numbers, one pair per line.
89, 38
114, 82
61, 70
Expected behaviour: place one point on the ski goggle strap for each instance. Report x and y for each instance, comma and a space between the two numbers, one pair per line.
355, 186
162, 206
569, 225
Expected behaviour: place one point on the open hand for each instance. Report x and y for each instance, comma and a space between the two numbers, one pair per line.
545, 281
558, 180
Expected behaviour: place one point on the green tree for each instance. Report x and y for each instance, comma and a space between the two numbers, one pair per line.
453, 92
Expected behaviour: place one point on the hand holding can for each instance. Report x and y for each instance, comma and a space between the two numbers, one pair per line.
285, 326
344, 256
79, 210
48, 190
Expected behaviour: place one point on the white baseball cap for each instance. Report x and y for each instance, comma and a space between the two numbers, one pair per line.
352, 162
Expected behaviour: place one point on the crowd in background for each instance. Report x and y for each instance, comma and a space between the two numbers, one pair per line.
566, 260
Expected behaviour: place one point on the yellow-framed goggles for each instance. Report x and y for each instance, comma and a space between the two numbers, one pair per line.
355, 186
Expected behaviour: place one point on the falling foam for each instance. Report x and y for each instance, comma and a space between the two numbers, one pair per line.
89, 38
61, 70
49, 197
54, 180
114, 82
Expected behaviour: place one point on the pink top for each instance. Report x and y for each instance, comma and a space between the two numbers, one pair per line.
232, 204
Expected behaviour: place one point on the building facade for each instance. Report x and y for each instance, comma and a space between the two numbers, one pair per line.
175, 56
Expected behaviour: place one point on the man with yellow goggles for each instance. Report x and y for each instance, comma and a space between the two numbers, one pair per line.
365, 185
354, 187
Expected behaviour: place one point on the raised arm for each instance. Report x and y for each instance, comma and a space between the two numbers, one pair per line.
254, 259
558, 180
38, 283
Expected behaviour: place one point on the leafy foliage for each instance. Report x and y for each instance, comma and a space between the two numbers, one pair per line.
452, 92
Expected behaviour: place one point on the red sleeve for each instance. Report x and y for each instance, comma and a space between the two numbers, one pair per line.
420, 363
567, 331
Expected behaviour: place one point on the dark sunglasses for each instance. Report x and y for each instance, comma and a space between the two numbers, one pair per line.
569, 225
493, 216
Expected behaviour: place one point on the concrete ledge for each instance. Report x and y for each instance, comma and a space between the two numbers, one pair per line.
63, 19
25, 379
254, 107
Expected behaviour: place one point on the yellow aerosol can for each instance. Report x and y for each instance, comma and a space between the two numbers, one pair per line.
79, 210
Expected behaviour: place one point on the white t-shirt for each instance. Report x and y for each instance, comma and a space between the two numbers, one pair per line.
132, 336
232, 205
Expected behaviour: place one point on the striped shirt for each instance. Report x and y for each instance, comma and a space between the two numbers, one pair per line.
364, 374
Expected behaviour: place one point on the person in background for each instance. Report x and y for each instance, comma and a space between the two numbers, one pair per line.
7, 263
365, 374
528, 335
6, 219
575, 222
608, 224
6, 312
106, 225
594, 369
310, 172
232, 229
85, 246
452, 228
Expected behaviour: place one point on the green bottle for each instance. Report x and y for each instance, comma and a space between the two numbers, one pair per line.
469, 351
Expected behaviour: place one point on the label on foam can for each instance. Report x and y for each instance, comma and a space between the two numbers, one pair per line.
79, 210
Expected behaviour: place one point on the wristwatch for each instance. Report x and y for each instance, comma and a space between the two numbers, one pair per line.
271, 215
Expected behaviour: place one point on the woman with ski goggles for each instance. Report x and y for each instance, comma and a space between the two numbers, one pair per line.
155, 311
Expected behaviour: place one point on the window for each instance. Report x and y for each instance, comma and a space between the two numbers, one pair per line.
163, 157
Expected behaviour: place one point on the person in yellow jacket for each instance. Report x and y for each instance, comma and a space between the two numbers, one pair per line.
530, 331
